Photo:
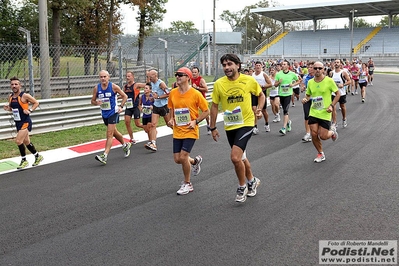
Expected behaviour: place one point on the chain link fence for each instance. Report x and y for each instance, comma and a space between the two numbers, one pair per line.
74, 69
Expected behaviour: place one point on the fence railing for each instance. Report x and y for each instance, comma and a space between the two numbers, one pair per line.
60, 114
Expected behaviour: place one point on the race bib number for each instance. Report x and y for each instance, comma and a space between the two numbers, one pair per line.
106, 104
15, 114
285, 88
182, 116
371, 68
147, 110
317, 103
233, 117
362, 77
129, 103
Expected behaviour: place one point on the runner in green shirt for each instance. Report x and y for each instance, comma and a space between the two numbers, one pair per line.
286, 79
319, 91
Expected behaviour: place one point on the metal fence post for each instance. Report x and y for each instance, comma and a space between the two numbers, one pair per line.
120, 63
30, 60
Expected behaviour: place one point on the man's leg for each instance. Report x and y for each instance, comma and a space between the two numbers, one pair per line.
239, 166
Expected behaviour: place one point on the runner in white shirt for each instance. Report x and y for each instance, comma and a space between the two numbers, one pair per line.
264, 81
274, 98
342, 79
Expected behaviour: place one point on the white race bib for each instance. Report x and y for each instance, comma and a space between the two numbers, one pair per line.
317, 103
129, 103
182, 116
106, 104
15, 114
146, 110
233, 117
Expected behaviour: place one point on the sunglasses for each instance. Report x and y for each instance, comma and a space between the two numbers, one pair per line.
178, 74
318, 68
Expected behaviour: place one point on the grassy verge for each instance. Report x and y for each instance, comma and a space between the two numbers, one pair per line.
64, 138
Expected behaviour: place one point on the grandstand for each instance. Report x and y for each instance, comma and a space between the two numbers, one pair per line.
380, 43
335, 43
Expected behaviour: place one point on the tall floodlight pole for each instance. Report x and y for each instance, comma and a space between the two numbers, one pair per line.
352, 21
166, 59
44, 51
30, 60
214, 36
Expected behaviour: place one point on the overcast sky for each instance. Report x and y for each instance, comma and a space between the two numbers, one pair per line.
201, 13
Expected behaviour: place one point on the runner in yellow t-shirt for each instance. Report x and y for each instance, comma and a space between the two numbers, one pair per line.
234, 92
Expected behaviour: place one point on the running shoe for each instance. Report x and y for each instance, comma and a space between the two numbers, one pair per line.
320, 157
38, 160
352, 93
241, 194
196, 167
23, 164
255, 131
356, 92
276, 118
283, 131
101, 158
371, 83
267, 128
208, 128
289, 124
363, 100
252, 187
307, 138
334, 136
126, 149
185, 188
133, 141
152, 147
344, 123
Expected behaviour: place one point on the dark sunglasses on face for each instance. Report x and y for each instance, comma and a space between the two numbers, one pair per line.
178, 74
318, 68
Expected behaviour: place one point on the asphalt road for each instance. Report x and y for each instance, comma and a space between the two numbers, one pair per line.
78, 212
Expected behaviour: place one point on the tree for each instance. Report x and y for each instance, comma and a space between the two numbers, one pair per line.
183, 27
257, 28
93, 27
57, 8
384, 22
150, 12
360, 23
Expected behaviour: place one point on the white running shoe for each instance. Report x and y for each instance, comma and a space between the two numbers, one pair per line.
196, 168
267, 128
241, 194
185, 188
320, 157
255, 131
334, 136
307, 138
126, 148
252, 187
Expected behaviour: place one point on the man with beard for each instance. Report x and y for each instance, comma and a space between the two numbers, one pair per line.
233, 92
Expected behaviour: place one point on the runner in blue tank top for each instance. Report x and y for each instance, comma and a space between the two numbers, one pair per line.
105, 95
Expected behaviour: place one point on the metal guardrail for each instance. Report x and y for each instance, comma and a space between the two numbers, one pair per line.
60, 114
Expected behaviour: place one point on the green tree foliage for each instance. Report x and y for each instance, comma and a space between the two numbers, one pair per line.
150, 12
385, 21
183, 27
9, 23
256, 28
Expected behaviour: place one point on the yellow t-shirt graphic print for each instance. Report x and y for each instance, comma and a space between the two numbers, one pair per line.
235, 99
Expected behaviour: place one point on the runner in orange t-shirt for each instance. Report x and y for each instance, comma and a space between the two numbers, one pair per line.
184, 103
